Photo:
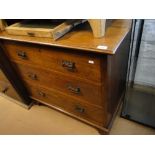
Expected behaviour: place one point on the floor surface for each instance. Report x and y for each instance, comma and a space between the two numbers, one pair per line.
15, 119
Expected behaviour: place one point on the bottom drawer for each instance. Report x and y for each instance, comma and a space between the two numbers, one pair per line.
68, 104
8, 90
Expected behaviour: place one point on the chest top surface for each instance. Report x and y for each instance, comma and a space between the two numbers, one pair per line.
82, 38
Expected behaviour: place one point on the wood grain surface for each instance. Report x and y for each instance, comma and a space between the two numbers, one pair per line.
82, 38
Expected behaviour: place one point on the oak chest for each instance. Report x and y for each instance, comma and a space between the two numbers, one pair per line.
80, 81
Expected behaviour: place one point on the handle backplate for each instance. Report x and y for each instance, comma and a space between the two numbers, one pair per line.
22, 54
70, 66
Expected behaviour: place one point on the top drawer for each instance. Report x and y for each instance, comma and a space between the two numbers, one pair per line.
87, 66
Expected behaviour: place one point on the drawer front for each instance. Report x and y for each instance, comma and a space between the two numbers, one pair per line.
8, 90
25, 53
80, 89
63, 102
76, 64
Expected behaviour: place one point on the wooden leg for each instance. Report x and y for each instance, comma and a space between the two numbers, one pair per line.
102, 132
38, 103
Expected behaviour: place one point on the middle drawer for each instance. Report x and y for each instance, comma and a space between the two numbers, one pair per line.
84, 90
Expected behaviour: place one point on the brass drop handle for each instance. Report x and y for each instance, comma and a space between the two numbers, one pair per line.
74, 90
42, 94
79, 109
22, 54
70, 66
32, 76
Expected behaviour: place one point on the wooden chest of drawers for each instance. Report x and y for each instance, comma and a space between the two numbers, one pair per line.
60, 80
84, 84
